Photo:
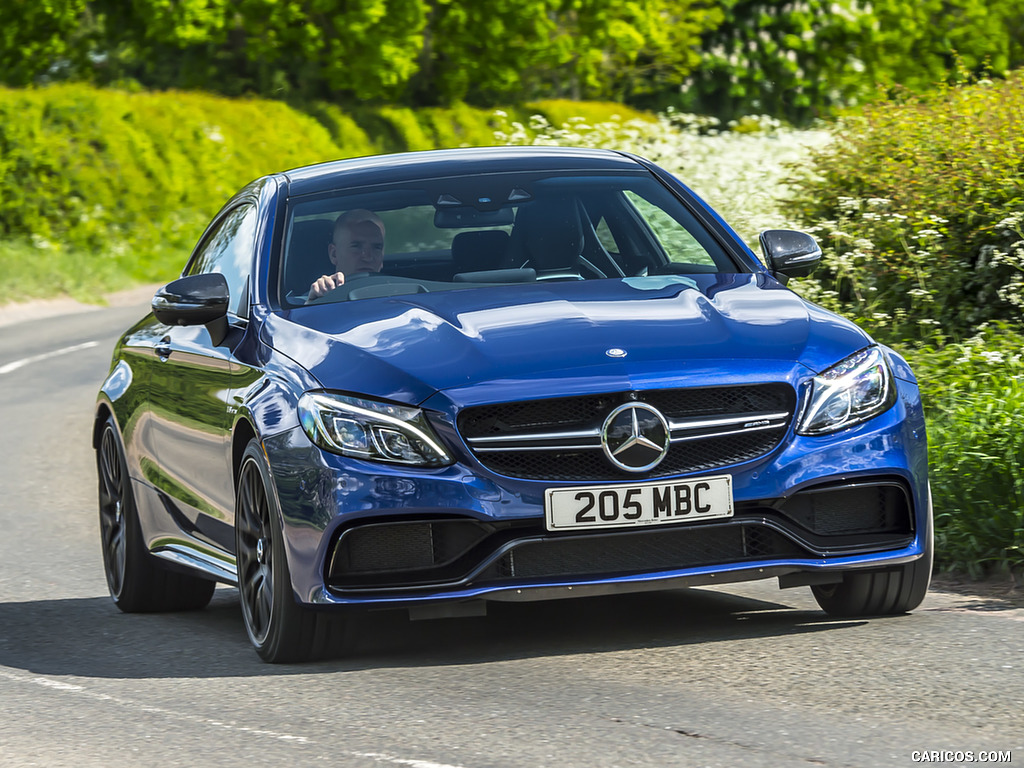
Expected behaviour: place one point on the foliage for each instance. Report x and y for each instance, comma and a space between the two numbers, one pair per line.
919, 206
422, 52
562, 111
794, 60
105, 175
102, 188
611, 49
808, 58
481, 51
46, 31
916, 45
741, 169
346, 132
974, 394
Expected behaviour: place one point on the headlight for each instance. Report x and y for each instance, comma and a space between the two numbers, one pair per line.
848, 393
370, 430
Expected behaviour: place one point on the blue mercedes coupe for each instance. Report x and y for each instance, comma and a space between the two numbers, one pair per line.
428, 381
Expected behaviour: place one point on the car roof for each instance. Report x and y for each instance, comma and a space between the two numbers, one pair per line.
385, 169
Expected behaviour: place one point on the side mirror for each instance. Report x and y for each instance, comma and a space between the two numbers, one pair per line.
790, 253
195, 300
192, 300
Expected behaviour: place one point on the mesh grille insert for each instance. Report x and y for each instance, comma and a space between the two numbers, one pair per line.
641, 552
845, 510
567, 414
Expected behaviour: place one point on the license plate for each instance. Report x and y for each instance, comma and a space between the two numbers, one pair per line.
634, 504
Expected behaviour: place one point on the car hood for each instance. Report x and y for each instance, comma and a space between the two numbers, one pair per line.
564, 338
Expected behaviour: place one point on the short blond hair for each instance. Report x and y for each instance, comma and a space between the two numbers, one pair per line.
357, 216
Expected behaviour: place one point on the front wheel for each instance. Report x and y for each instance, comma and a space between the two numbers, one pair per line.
880, 593
279, 628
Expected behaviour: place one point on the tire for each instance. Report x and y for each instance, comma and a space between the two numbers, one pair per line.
136, 580
281, 630
880, 593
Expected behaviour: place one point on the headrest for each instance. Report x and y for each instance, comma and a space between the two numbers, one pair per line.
551, 232
479, 250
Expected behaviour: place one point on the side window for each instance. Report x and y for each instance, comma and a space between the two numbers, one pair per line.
678, 242
229, 250
606, 238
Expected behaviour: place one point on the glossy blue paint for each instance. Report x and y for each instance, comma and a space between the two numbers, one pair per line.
406, 348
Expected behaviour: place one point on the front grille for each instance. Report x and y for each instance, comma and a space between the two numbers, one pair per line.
592, 465
640, 552
559, 438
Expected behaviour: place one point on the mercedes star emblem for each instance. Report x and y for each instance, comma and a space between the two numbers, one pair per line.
635, 437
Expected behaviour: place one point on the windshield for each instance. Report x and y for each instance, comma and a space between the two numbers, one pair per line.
463, 233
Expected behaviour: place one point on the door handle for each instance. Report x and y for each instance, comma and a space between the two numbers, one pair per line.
163, 348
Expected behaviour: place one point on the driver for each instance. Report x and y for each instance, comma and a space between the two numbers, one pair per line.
357, 246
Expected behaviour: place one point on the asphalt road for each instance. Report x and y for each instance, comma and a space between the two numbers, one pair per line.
741, 676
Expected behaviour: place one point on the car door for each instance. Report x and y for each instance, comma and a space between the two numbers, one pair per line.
191, 399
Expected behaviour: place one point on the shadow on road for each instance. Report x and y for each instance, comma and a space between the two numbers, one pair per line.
88, 637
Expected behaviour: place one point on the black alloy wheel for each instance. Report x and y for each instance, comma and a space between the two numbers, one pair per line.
881, 592
280, 629
113, 499
136, 580
254, 552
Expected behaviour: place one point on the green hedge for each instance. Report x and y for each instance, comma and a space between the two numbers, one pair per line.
973, 395
922, 202
76, 162
919, 205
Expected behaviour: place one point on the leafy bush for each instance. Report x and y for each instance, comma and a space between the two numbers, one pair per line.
740, 169
974, 395
104, 188
346, 132
78, 164
807, 59
919, 205
561, 111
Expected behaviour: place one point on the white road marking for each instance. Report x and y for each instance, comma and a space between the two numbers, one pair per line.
403, 761
45, 356
81, 690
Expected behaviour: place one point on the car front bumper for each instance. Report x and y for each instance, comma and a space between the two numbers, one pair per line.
371, 535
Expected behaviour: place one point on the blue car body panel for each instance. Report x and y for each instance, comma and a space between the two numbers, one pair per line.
703, 326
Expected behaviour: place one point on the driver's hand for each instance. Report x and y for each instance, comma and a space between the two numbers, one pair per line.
325, 284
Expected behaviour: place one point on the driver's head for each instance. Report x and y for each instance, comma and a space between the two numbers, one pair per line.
358, 244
